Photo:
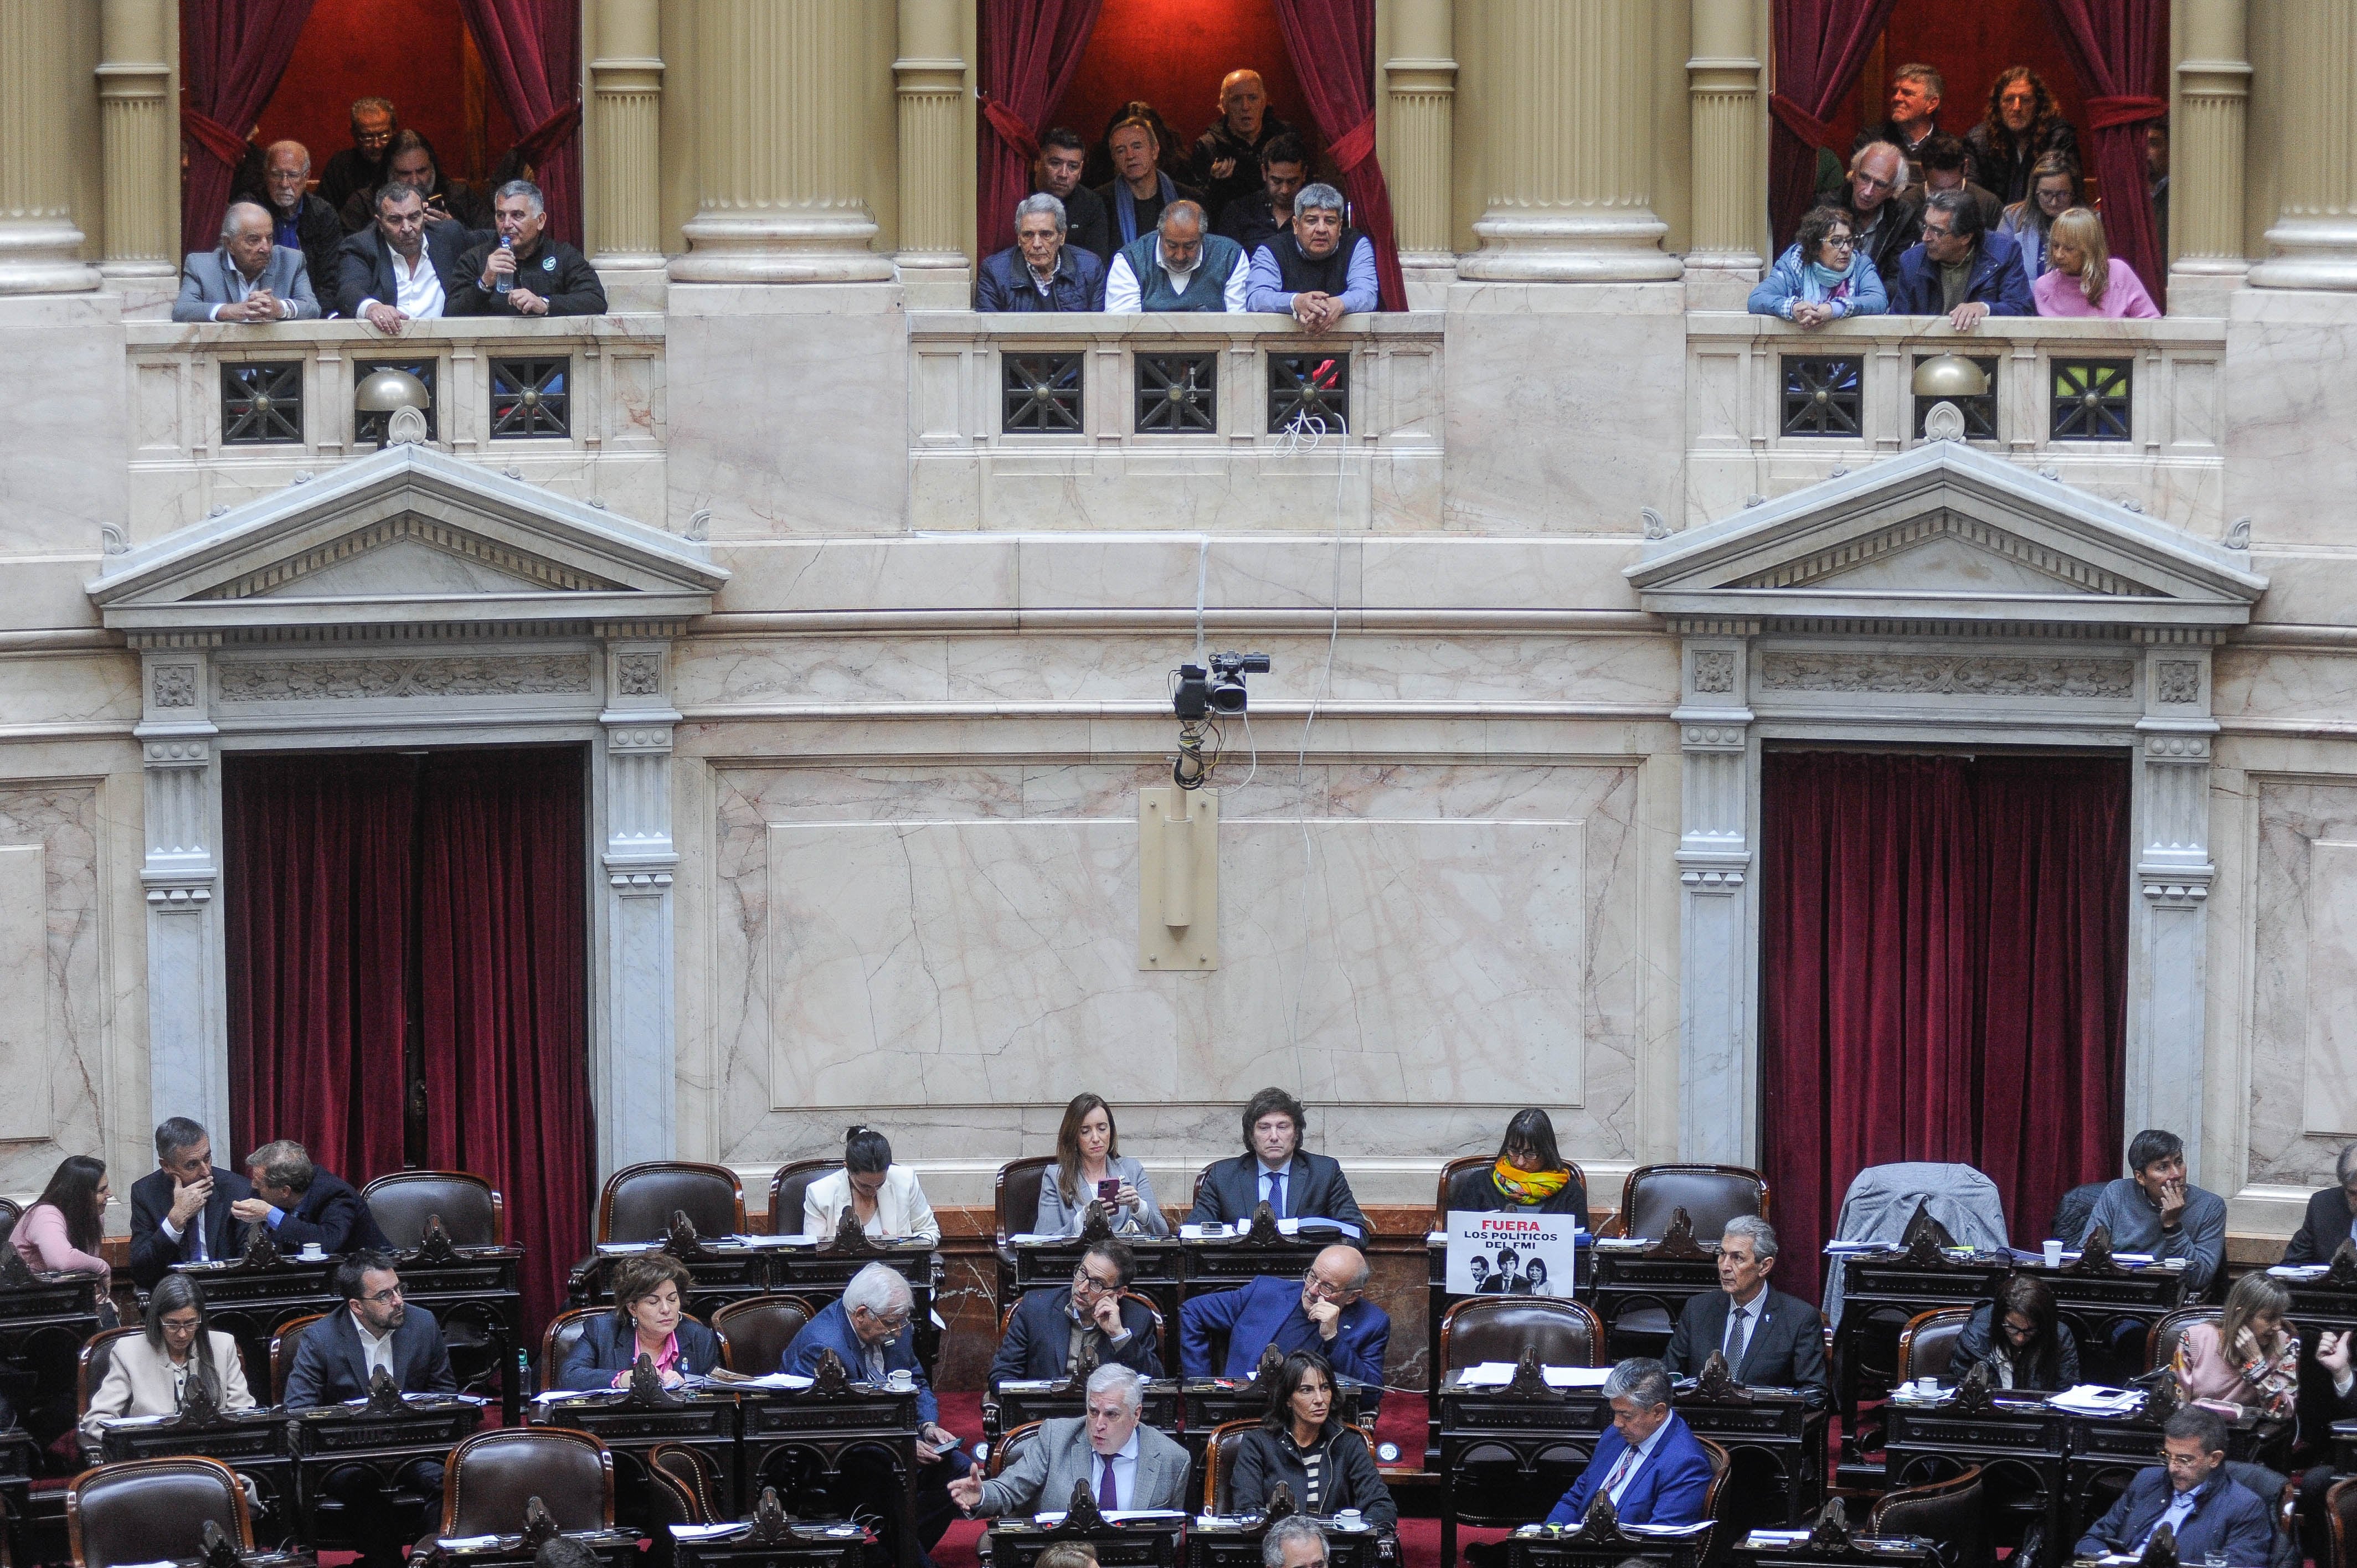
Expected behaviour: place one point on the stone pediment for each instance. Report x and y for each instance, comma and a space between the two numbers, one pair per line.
405, 538
1946, 538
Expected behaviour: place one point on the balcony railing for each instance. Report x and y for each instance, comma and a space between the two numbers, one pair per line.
1098, 422
2131, 410
221, 414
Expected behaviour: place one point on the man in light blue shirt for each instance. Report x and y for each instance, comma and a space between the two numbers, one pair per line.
1320, 270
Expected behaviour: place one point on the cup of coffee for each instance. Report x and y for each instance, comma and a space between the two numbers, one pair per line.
313, 1252
901, 1380
2053, 1254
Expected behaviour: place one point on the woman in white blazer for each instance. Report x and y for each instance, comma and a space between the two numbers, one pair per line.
156, 1372
884, 1197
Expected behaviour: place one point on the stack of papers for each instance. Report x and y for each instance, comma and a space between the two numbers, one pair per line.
792, 1382
1667, 1531
2098, 1399
1763, 1540
468, 1542
1115, 1516
705, 1531
1497, 1374
2299, 1270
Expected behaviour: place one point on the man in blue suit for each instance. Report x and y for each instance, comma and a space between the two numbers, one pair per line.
1327, 1313
1276, 1170
868, 1330
303, 1204
2210, 1512
1651, 1464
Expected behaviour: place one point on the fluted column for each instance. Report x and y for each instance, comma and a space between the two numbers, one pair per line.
625, 171
138, 157
1718, 1029
637, 1099
936, 183
188, 1038
2314, 242
39, 245
777, 128
1421, 76
1571, 172
1730, 209
2205, 188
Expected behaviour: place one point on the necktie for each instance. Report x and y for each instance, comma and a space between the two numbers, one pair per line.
1277, 1193
1108, 1496
1737, 1334
876, 1367
1628, 1462
195, 1238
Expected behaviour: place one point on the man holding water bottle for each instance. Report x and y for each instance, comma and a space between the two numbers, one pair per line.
525, 272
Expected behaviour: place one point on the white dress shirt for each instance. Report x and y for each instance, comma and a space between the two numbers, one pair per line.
377, 1349
1625, 1471
417, 290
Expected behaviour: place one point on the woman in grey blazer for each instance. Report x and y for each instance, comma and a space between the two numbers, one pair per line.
1087, 1155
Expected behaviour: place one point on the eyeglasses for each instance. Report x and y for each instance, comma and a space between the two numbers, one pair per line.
1086, 1281
1323, 1288
1841, 241
893, 1320
386, 1296
179, 1326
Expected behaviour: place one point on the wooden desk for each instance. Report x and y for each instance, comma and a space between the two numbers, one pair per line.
788, 1435
2344, 1447
1885, 1289
705, 1419
1566, 1546
818, 1274
1438, 1299
2091, 1301
1210, 1402
1628, 1278
1218, 1263
718, 1271
1016, 1403
384, 1443
2104, 1447
2021, 1441
1511, 1455
1776, 1424
252, 1442
1147, 1543
807, 1546
42, 1328
17, 1454
1235, 1543
618, 1548
1864, 1551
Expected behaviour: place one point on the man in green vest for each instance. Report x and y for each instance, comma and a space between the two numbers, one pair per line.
1177, 267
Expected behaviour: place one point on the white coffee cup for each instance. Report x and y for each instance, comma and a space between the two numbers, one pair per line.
313, 1252
899, 1379
2053, 1254
1928, 1388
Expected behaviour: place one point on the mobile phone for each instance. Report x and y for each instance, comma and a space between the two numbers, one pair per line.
1108, 1189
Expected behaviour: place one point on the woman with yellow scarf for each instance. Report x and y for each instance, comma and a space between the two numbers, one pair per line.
1528, 1173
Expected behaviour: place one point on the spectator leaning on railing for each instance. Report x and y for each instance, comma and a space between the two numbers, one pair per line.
1041, 271
1887, 222
2086, 279
251, 278
1320, 270
1960, 270
543, 276
1177, 267
399, 268
1821, 276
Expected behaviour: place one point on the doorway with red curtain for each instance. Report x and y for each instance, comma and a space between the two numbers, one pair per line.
407, 948
1944, 947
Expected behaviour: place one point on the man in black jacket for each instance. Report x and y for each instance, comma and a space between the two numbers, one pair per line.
1063, 158
1050, 1326
1886, 222
303, 1204
1768, 1338
301, 221
412, 162
1276, 1170
339, 1358
545, 276
1253, 220
401, 267
360, 167
180, 1211
1227, 155
2332, 1215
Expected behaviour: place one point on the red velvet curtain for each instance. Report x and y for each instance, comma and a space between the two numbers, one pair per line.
1820, 46
232, 53
1945, 947
1029, 51
318, 932
532, 49
2118, 47
502, 949
1333, 46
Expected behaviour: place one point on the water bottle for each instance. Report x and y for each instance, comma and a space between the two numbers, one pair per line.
505, 281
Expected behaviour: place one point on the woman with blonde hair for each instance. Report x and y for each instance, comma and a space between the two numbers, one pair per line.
2250, 1355
2082, 276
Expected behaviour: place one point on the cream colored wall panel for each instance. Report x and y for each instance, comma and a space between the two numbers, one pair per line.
2332, 1098
25, 976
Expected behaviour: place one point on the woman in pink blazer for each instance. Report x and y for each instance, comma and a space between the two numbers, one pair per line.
61, 1232
2249, 1357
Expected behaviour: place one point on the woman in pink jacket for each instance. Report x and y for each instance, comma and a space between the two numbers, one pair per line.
2082, 276
2250, 1355
61, 1232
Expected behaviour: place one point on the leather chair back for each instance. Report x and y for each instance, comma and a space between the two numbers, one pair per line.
2340, 1514
754, 1332
1949, 1514
471, 1208
11, 1212
556, 1341
1010, 1446
2273, 1488
687, 1481
1448, 1174
1564, 1333
97, 1355
1219, 1463
1927, 1346
283, 1346
2160, 1342
2071, 1211
638, 1201
1016, 1194
1717, 1506
494, 1474
145, 1510
789, 1187
1711, 1196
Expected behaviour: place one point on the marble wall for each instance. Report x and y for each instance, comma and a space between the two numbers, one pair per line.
54, 972
2303, 942
953, 945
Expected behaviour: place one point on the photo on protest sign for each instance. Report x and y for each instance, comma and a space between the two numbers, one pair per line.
1513, 1254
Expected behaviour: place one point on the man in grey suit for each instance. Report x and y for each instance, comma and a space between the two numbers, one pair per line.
1124, 1465
251, 278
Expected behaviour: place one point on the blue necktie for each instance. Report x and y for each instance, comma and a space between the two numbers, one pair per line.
1277, 1193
